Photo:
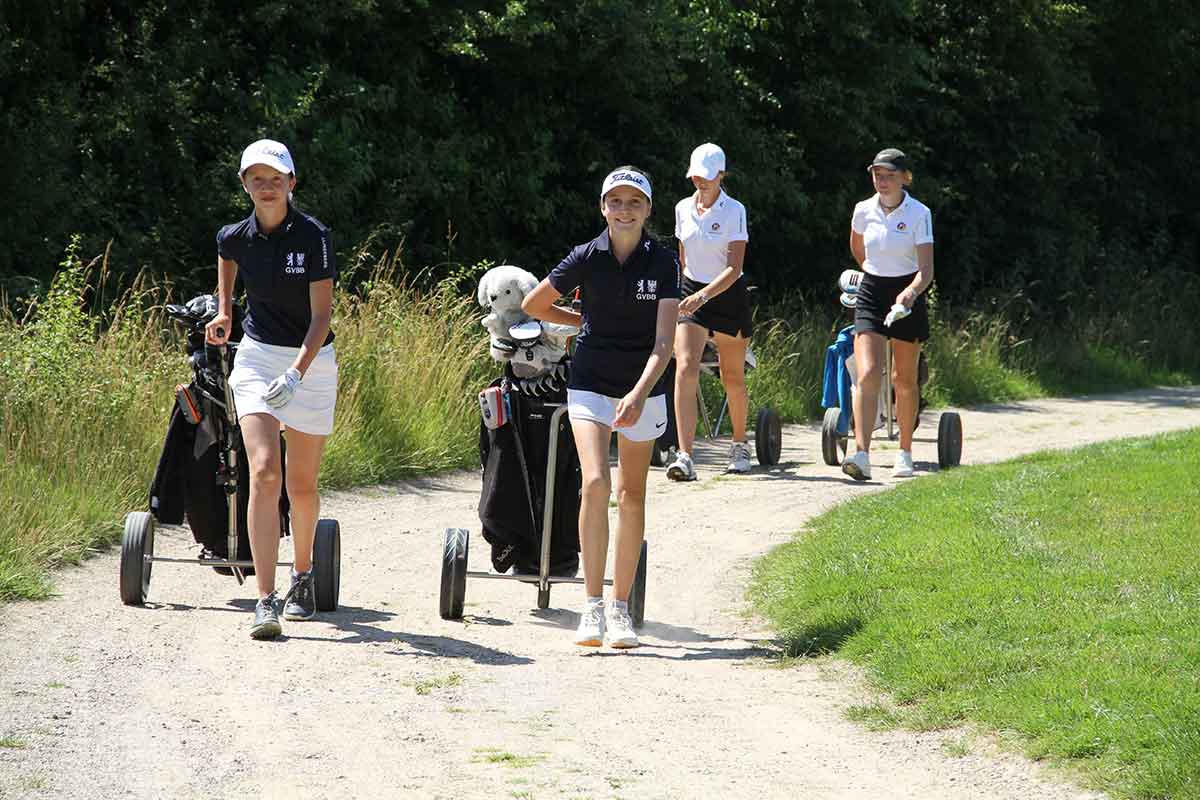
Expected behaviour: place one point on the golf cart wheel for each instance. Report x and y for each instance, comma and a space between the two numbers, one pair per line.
137, 542
833, 444
327, 564
544, 598
454, 573
949, 439
768, 437
637, 592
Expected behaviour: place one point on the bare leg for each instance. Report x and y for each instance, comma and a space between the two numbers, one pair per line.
904, 378
260, 433
633, 462
591, 442
689, 347
732, 351
303, 463
868, 363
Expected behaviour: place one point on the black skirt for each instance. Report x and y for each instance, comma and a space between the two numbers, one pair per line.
876, 295
728, 312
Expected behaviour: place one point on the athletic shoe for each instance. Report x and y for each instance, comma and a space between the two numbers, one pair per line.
858, 466
739, 458
300, 602
904, 465
266, 618
682, 468
590, 632
620, 627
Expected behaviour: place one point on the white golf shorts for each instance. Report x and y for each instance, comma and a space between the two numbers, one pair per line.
601, 408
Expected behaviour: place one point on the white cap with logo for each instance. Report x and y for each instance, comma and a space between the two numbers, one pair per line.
269, 152
626, 177
708, 161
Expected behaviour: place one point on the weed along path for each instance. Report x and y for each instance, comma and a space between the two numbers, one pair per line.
384, 699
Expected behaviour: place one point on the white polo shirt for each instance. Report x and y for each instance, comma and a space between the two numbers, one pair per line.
891, 239
706, 238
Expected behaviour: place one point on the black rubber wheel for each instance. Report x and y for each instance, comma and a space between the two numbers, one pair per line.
637, 592
137, 542
949, 439
327, 564
544, 598
454, 573
768, 437
833, 444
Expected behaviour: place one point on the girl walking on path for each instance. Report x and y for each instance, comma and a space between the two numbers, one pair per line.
285, 373
711, 229
891, 238
630, 293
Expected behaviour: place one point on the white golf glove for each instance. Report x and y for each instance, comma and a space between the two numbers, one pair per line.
280, 391
899, 311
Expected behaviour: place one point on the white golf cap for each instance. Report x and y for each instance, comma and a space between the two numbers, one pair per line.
708, 161
626, 177
269, 152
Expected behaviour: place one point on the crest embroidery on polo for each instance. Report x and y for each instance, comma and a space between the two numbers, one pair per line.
295, 264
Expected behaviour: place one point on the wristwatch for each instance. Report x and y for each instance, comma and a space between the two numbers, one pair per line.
703, 296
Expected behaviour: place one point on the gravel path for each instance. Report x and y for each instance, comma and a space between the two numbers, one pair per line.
174, 700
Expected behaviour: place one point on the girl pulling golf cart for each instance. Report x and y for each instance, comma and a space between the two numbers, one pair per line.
286, 370
711, 229
891, 238
630, 307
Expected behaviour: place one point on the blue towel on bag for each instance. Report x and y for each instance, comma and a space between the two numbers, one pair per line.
836, 390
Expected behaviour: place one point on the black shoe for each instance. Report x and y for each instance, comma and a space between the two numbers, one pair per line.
266, 618
300, 602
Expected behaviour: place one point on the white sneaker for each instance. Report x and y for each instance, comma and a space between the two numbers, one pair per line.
620, 626
739, 458
858, 466
904, 465
682, 468
590, 632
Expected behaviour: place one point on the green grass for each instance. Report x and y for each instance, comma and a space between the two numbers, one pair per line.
491, 755
1056, 596
426, 686
12, 742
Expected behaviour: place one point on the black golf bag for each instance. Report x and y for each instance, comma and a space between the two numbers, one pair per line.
189, 482
513, 458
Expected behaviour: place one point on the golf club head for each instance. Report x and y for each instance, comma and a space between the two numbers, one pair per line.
849, 300
850, 280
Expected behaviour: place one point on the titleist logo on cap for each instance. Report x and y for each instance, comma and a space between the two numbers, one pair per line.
626, 177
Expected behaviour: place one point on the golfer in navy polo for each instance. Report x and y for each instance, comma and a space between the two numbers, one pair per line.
285, 372
630, 292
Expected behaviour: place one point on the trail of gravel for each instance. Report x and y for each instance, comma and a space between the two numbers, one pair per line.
385, 699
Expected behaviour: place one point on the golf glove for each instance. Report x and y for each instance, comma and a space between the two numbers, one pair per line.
899, 311
280, 391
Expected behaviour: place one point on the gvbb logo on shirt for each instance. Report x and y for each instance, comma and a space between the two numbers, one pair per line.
901, 226
647, 290
295, 264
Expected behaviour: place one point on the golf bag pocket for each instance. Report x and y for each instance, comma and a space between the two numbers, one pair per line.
494, 407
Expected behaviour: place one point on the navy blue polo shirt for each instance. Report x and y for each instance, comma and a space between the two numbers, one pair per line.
620, 311
276, 270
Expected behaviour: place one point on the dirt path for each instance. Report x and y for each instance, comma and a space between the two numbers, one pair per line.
175, 701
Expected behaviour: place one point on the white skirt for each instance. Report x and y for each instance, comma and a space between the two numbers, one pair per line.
310, 409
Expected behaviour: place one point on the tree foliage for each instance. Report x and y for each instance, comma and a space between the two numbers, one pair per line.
1051, 138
